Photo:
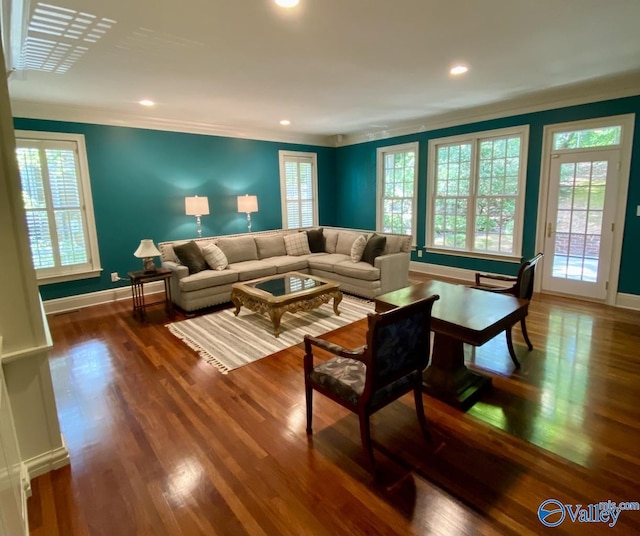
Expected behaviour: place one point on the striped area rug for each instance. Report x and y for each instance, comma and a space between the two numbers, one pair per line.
228, 342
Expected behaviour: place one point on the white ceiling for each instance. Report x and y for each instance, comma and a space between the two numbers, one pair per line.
332, 67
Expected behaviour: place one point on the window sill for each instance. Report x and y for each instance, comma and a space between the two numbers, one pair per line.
60, 278
516, 259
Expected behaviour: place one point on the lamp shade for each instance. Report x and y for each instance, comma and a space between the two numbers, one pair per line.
196, 206
146, 249
247, 203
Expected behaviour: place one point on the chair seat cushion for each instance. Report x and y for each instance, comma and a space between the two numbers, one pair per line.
343, 376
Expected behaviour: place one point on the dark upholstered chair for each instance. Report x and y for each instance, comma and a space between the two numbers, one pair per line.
522, 288
368, 378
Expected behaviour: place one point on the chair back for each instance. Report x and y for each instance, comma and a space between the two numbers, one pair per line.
398, 343
524, 286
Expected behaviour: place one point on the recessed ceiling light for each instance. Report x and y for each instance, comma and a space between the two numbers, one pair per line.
287, 3
147, 102
285, 122
459, 69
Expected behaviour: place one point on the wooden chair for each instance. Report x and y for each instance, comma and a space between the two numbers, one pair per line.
368, 378
522, 288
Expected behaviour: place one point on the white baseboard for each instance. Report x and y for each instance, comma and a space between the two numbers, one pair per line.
49, 461
71, 303
628, 301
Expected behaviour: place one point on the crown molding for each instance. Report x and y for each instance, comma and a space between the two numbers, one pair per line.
79, 114
601, 89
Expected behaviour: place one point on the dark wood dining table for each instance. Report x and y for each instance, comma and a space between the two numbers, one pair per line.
461, 315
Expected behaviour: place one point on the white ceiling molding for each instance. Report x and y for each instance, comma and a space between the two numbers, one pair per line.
625, 85
79, 114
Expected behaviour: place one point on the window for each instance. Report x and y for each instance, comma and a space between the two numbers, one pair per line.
476, 193
57, 201
591, 137
397, 171
298, 189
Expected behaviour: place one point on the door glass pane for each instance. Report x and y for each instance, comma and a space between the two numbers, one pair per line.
579, 220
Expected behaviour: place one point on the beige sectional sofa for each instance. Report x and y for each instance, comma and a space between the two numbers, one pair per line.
259, 254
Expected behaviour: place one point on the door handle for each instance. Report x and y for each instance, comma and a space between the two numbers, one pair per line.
548, 230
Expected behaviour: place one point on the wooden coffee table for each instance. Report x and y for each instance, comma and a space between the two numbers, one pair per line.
281, 293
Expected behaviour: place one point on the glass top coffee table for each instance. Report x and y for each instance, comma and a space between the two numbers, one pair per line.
281, 293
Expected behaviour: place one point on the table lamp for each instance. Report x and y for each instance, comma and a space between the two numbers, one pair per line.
197, 206
146, 251
248, 203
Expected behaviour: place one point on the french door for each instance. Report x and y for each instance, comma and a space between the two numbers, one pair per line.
581, 210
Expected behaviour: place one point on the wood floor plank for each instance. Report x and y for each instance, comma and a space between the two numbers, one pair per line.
162, 443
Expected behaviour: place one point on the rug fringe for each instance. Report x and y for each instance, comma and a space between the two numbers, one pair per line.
202, 352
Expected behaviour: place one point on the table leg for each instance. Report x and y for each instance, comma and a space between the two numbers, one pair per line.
337, 298
276, 314
448, 379
236, 301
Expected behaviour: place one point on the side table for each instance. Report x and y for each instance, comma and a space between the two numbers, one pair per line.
138, 279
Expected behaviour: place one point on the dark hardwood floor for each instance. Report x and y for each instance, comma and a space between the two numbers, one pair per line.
162, 444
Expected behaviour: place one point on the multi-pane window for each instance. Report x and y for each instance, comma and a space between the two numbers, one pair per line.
298, 189
476, 192
396, 189
57, 202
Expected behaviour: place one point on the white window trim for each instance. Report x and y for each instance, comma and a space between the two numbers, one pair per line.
380, 154
71, 273
282, 156
516, 256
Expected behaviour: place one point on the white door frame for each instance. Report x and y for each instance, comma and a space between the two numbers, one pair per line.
627, 122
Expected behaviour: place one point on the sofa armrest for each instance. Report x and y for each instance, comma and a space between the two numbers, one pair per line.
394, 271
179, 270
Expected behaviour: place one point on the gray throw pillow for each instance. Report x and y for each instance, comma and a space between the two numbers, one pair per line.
191, 256
316, 240
374, 248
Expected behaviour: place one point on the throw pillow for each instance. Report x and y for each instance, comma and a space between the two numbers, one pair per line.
215, 257
357, 249
190, 255
270, 246
296, 244
345, 241
316, 240
375, 248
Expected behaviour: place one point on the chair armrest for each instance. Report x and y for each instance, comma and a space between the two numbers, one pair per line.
496, 277
335, 349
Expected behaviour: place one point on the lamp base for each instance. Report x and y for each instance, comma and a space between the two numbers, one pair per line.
148, 265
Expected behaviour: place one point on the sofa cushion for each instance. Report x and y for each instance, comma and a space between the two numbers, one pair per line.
289, 263
357, 248
296, 244
270, 246
214, 257
330, 240
248, 270
345, 241
207, 279
316, 240
357, 270
328, 261
374, 248
397, 244
238, 249
191, 256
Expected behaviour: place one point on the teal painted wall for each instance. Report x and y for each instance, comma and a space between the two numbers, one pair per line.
356, 184
139, 179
